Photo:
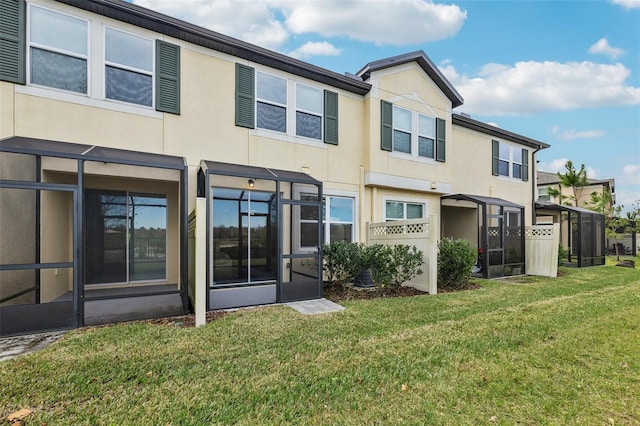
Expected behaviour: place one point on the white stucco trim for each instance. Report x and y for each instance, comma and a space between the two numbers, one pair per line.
406, 183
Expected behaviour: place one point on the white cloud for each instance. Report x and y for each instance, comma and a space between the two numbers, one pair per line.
627, 4
396, 22
251, 21
557, 166
576, 134
313, 48
603, 46
532, 87
631, 174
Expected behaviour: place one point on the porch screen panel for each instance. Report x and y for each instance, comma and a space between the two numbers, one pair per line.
106, 237
148, 239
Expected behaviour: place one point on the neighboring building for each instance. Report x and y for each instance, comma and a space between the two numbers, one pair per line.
582, 231
548, 180
114, 118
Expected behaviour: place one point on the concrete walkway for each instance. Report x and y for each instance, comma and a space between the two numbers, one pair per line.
316, 306
11, 347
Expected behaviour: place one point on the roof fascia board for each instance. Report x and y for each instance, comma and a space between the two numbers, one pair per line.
488, 129
425, 63
181, 30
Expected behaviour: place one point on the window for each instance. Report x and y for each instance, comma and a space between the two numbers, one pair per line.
271, 103
402, 130
338, 220
58, 46
128, 68
543, 194
54, 54
265, 101
399, 210
510, 160
426, 136
409, 132
308, 112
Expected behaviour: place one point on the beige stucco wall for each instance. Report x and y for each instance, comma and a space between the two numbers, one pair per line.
472, 171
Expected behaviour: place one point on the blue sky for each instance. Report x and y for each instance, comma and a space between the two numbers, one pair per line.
563, 72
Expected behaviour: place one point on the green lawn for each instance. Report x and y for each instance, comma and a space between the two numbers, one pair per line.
542, 351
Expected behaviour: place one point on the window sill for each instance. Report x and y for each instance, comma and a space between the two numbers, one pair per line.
270, 134
415, 158
85, 100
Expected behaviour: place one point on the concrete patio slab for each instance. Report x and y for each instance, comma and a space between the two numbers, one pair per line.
316, 306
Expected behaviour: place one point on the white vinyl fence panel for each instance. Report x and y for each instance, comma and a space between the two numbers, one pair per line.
413, 232
541, 249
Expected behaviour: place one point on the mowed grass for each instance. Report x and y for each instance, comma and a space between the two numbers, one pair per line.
538, 351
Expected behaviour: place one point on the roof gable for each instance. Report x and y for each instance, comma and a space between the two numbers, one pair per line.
425, 63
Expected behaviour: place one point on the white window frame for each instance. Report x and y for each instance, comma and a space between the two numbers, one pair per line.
415, 135
431, 137
95, 96
274, 103
510, 160
106, 63
300, 190
404, 200
31, 44
304, 111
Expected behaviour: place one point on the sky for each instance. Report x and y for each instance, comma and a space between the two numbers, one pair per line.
564, 72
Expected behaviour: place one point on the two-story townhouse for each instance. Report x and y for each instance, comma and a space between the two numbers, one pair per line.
116, 118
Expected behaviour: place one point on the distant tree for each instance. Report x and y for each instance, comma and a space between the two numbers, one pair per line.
576, 180
603, 203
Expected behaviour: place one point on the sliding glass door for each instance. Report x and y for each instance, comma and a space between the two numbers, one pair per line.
244, 236
126, 237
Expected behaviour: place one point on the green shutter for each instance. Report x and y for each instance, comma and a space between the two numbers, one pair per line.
525, 164
167, 77
12, 41
386, 127
441, 140
495, 152
330, 117
245, 96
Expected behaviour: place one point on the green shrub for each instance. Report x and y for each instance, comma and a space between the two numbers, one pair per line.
342, 261
390, 266
563, 254
455, 262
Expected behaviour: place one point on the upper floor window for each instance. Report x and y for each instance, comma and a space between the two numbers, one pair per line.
543, 194
271, 103
308, 111
265, 101
74, 55
409, 132
402, 126
510, 160
128, 67
58, 46
400, 210
426, 136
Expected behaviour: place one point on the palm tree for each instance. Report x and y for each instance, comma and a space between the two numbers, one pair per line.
576, 180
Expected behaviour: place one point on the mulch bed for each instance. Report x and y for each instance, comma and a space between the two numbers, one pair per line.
335, 293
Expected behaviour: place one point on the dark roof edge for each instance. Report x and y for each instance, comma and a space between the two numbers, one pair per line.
176, 28
479, 126
425, 63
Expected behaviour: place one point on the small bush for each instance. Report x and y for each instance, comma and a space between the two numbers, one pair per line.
342, 261
455, 262
390, 266
563, 254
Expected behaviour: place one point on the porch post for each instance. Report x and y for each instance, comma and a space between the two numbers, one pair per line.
78, 253
184, 235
